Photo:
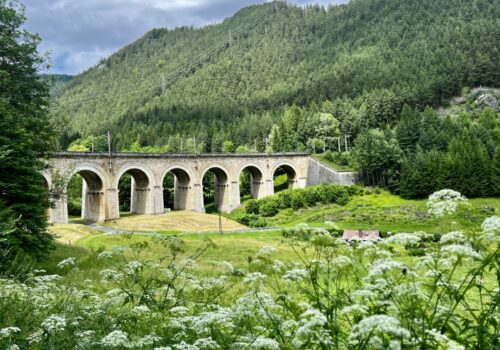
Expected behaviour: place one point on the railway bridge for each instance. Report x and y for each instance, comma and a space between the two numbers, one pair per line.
101, 174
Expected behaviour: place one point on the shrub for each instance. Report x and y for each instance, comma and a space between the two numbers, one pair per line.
252, 207
269, 207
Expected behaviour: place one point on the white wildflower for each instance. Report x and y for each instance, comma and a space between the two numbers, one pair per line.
491, 224
355, 309
491, 229
66, 263
381, 266
185, 346
188, 264
85, 337
342, 261
263, 343
370, 329
8, 331
133, 266
404, 239
141, 310
179, 310
206, 344
254, 277
105, 255
444, 202
35, 337
295, 275
453, 237
460, 251
311, 329
116, 339
227, 265
54, 324
278, 266
266, 251
147, 341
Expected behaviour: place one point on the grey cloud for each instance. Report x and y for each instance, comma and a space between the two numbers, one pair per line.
79, 33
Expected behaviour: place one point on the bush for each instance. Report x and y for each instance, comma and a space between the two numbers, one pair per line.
329, 156
252, 207
269, 207
252, 220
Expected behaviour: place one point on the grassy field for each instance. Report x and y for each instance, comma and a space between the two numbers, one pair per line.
176, 221
381, 210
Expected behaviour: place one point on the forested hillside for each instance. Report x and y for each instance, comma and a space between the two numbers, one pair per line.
232, 81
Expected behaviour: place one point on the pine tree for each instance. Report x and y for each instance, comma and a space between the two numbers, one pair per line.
408, 129
495, 173
25, 138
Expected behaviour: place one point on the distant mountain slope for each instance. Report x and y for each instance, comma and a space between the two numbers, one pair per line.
202, 82
57, 82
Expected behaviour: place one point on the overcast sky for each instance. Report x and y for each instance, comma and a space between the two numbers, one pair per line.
78, 33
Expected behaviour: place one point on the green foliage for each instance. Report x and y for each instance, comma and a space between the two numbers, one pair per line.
26, 136
495, 172
228, 146
455, 152
298, 199
360, 63
377, 156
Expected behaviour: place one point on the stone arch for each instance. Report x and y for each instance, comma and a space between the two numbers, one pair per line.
291, 172
256, 179
142, 181
183, 187
222, 193
93, 198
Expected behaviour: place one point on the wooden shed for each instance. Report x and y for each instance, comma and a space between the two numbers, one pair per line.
361, 235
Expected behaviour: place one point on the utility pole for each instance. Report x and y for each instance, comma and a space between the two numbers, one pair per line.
195, 149
92, 138
220, 220
338, 141
109, 150
267, 143
181, 144
346, 147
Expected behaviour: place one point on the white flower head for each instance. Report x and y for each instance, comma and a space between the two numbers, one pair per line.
54, 324
444, 202
105, 255
404, 239
8, 331
453, 237
67, 263
266, 251
296, 275
116, 339
460, 251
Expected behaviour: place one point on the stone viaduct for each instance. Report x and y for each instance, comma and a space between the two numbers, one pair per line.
102, 172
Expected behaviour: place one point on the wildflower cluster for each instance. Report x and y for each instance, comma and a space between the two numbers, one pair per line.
334, 295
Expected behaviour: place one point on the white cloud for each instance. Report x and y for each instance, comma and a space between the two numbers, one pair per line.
81, 32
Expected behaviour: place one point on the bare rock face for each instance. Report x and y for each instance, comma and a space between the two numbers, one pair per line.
487, 100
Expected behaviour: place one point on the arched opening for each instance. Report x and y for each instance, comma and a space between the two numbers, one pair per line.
86, 196
284, 177
177, 191
133, 191
251, 183
215, 190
